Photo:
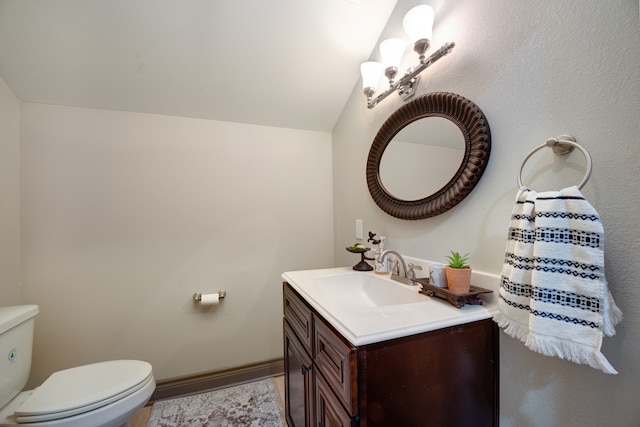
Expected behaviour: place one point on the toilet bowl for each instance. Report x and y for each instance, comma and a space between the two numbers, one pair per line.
104, 394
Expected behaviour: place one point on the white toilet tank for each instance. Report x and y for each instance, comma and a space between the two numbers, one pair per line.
16, 344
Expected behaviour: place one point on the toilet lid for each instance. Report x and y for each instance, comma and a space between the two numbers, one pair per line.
84, 388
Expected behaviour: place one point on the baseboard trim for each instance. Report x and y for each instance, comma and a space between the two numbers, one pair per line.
207, 381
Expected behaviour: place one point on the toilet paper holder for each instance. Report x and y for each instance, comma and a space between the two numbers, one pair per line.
197, 297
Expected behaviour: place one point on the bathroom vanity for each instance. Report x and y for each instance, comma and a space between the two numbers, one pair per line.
362, 359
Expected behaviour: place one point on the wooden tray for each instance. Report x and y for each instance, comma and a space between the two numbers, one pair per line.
457, 300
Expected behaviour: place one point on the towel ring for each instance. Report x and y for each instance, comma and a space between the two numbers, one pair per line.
563, 144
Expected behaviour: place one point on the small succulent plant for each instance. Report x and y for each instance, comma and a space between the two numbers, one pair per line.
457, 261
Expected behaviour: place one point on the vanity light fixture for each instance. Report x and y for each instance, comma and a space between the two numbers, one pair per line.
418, 24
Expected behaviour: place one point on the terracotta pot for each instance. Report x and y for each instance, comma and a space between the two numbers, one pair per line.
458, 279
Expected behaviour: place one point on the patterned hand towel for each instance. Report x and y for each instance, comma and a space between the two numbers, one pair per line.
553, 292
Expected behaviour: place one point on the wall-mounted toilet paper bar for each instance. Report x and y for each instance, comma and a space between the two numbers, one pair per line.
198, 296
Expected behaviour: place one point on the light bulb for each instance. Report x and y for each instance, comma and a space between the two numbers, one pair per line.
391, 51
371, 72
418, 23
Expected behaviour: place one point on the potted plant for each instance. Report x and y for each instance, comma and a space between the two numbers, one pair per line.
458, 273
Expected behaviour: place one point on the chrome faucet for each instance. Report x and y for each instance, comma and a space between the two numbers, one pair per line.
411, 274
408, 274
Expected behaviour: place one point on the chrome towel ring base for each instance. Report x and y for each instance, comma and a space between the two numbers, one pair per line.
561, 145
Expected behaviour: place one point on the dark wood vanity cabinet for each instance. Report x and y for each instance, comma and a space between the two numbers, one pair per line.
447, 377
299, 387
320, 369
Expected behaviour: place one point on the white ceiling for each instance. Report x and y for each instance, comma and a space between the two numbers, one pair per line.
285, 63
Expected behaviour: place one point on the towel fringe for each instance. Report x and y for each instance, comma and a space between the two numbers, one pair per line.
613, 316
510, 328
570, 351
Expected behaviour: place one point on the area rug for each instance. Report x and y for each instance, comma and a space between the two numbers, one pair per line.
251, 404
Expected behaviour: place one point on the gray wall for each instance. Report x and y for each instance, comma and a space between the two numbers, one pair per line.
9, 197
537, 70
126, 215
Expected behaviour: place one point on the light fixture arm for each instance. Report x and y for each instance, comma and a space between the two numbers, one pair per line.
406, 85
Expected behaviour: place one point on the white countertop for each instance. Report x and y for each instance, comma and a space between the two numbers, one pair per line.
361, 324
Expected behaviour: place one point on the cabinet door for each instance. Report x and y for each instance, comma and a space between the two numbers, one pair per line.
445, 378
329, 411
298, 384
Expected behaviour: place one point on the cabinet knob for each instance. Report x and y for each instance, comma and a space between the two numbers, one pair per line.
304, 369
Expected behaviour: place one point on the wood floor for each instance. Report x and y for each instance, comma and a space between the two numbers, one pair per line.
141, 418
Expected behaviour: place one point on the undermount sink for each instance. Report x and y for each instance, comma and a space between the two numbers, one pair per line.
365, 290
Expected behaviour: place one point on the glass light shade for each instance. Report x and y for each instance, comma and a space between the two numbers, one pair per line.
371, 72
391, 51
418, 23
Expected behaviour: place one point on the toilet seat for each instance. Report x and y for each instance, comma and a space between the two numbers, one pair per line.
82, 389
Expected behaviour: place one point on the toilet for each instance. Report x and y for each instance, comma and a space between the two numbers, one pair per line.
104, 394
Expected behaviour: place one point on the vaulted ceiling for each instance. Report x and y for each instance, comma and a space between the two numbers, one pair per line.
284, 63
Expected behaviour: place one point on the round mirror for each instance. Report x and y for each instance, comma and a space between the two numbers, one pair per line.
428, 156
421, 158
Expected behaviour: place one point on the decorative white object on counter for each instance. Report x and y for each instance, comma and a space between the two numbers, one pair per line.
437, 275
380, 266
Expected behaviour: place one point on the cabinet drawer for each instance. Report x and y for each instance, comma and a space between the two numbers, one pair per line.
298, 314
329, 411
337, 362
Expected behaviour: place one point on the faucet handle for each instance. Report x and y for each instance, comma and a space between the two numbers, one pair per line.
395, 267
411, 270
